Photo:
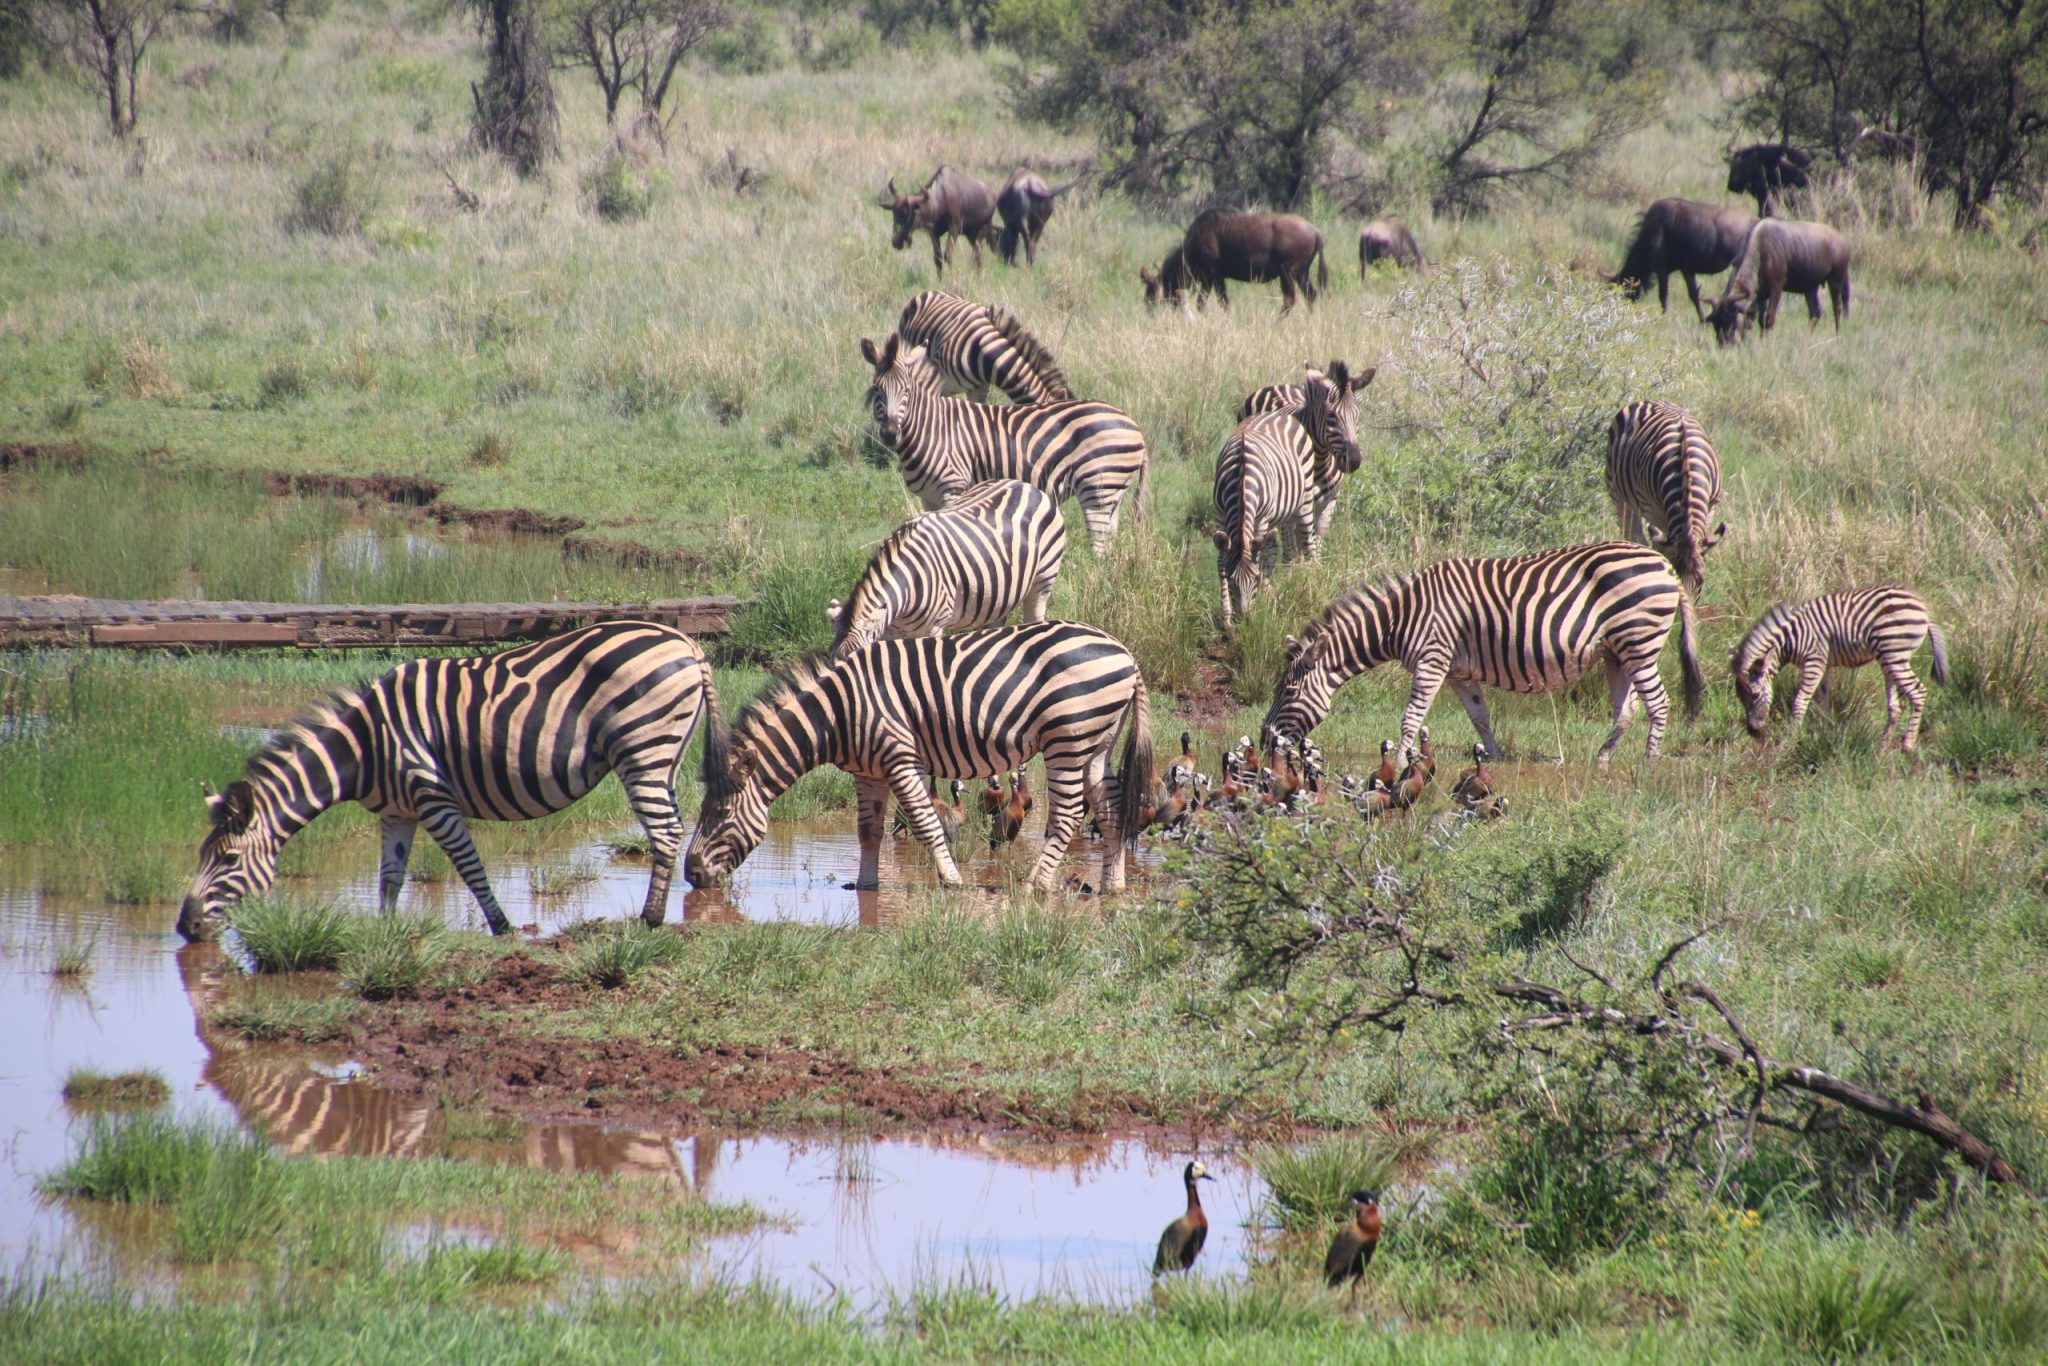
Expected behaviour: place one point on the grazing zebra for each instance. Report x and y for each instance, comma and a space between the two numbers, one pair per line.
953, 706
978, 345
971, 563
1665, 482
1526, 623
510, 736
1278, 474
948, 445
1840, 630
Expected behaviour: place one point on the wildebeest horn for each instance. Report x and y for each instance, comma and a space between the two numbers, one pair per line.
887, 198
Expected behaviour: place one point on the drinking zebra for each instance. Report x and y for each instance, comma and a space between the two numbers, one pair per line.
1665, 482
975, 346
510, 736
1843, 631
1278, 474
969, 564
947, 445
1526, 623
953, 706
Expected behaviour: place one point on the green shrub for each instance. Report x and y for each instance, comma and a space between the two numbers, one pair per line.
285, 934
336, 197
1570, 1197
1308, 1186
1983, 738
392, 955
283, 383
616, 190
787, 616
746, 46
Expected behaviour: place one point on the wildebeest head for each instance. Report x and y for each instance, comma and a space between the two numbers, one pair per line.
1331, 412
901, 375
238, 858
1763, 167
1728, 316
906, 208
1167, 285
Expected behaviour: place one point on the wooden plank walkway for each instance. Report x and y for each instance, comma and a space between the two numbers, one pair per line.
53, 622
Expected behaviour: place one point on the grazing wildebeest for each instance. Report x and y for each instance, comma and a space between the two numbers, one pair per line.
1254, 247
1679, 234
951, 204
1779, 255
1765, 168
1025, 204
1387, 239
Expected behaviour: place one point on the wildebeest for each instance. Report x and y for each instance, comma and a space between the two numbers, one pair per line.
1691, 238
1764, 168
1387, 239
1025, 204
1779, 255
1221, 246
951, 204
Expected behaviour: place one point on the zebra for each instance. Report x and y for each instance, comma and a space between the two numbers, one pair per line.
1278, 474
954, 706
1665, 482
1526, 623
1840, 630
969, 564
947, 445
510, 736
975, 346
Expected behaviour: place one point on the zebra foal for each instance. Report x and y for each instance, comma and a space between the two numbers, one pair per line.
972, 563
510, 736
1844, 631
1278, 475
1088, 450
952, 706
976, 346
1524, 623
1665, 482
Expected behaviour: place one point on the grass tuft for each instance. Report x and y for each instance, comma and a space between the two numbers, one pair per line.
1309, 1185
271, 1019
116, 1091
1826, 1301
393, 955
614, 957
286, 934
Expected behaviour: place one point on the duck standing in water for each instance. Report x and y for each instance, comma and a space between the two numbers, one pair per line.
1183, 1239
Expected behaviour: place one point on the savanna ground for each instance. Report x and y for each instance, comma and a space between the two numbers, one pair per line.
176, 326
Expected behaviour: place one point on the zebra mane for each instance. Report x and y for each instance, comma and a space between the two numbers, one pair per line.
1033, 350
1769, 627
304, 730
798, 676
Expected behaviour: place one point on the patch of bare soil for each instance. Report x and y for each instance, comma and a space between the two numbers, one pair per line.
506, 521
403, 490
24, 455
1211, 702
632, 554
458, 1040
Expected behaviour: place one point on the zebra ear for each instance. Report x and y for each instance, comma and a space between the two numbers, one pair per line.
1658, 536
1359, 381
834, 610
1292, 647
236, 806
1221, 537
867, 352
887, 360
1719, 532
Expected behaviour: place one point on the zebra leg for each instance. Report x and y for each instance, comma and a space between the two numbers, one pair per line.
1623, 686
451, 832
871, 802
397, 834
907, 780
652, 795
1899, 675
1038, 601
1813, 678
1066, 793
1100, 515
1474, 699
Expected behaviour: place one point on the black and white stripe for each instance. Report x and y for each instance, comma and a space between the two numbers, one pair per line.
1842, 631
510, 736
1665, 482
991, 550
1088, 450
952, 706
976, 346
1278, 475
1526, 623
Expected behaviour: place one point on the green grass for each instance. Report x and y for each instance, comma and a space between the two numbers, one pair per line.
285, 934
116, 1091
270, 1019
392, 955
1310, 1184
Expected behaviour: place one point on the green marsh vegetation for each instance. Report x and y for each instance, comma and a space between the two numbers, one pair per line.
280, 280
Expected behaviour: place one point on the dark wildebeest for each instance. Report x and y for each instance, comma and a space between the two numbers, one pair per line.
951, 204
1387, 239
1025, 204
1254, 247
1678, 234
1780, 255
1765, 168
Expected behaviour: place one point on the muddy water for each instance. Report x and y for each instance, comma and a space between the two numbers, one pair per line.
865, 1218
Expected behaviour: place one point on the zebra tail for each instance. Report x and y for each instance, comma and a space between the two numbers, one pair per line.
716, 771
1934, 638
1134, 779
1689, 656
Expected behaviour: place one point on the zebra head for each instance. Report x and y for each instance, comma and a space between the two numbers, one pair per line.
734, 815
1330, 412
1755, 664
901, 377
1238, 564
237, 858
1303, 698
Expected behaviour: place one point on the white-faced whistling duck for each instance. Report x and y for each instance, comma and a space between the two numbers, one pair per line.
1008, 818
1409, 790
1182, 769
1248, 757
951, 814
1172, 813
1428, 752
1386, 774
1475, 784
1183, 1239
1021, 780
1375, 803
992, 795
1351, 1252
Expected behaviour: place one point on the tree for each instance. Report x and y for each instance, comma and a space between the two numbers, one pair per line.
107, 41
633, 44
1246, 96
515, 104
1558, 85
1962, 85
